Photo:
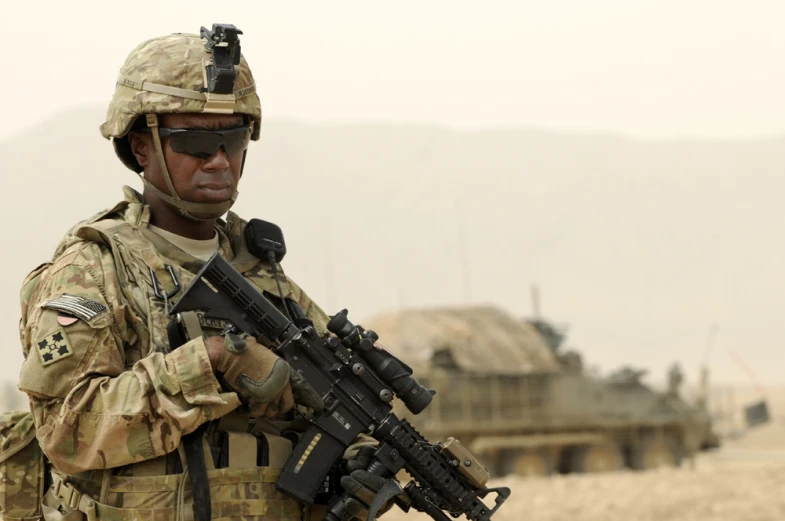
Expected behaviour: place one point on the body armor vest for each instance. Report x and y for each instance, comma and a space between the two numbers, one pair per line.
243, 461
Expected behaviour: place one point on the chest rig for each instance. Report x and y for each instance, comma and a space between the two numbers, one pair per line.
242, 459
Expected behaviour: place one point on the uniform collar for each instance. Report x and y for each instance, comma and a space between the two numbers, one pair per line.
230, 233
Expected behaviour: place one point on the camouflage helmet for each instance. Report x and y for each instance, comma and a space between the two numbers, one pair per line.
168, 74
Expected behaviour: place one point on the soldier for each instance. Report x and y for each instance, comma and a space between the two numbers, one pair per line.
111, 400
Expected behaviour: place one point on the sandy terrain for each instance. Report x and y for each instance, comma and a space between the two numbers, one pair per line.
743, 481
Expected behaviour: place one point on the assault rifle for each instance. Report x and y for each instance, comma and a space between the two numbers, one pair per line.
357, 380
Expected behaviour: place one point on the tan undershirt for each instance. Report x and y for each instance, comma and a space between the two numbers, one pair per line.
202, 250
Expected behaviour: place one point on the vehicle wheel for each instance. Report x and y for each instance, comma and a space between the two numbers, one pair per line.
527, 463
605, 457
657, 451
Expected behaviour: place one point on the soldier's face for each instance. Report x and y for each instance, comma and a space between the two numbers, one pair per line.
210, 180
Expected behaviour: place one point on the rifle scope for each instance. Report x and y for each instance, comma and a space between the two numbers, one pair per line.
387, 366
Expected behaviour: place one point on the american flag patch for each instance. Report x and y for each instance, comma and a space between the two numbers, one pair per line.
81, 307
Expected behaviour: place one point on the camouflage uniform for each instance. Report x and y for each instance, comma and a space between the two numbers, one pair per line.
112, 394
21, 468
110, 400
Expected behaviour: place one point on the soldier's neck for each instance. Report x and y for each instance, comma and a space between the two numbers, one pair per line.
169, 219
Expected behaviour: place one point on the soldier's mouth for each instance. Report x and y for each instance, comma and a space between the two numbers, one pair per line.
221, 192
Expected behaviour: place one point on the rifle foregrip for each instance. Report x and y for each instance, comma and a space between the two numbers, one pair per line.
309, 464
421, 503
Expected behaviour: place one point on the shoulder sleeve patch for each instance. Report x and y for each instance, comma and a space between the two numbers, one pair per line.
53, 347
77, 306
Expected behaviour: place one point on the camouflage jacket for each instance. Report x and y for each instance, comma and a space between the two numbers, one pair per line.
105, 389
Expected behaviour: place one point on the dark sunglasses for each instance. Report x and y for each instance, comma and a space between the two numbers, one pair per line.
204, 143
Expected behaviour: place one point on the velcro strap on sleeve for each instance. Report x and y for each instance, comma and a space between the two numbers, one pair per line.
197, 381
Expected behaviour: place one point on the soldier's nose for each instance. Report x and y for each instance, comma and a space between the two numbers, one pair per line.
217, 162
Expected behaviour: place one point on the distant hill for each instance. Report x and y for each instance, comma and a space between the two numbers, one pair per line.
637, 245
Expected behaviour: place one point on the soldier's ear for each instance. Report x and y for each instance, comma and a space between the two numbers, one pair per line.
141, 147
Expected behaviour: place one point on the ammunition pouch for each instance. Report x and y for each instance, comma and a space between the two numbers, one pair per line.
240, 490
22, 471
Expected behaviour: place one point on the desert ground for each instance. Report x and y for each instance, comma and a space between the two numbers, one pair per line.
742, 481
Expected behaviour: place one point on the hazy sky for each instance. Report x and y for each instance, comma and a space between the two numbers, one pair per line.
650, 68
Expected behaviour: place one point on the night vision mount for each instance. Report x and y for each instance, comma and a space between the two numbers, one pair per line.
223, 42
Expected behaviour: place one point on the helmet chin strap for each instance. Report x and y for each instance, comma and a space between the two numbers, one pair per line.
184, 207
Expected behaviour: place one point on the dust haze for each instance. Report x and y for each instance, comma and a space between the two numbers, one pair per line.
626, 157
743, 480
654, 68
639, 246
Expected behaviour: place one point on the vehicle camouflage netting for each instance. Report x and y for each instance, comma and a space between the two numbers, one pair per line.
477, 339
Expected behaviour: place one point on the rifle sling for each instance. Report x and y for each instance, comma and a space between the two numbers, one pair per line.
197, 470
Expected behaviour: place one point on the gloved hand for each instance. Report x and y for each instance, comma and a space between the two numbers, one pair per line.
261, 378
365, 488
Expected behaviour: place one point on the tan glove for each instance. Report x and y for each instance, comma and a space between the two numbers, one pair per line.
263, 379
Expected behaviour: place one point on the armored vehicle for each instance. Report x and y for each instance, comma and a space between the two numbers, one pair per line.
505, 390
